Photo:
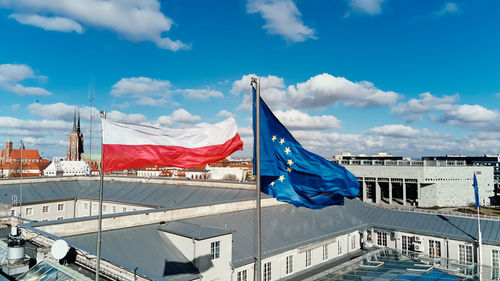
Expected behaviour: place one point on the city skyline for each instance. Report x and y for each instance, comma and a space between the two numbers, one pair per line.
411, 79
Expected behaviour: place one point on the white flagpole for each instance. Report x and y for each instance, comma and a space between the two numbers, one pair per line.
258, 258
99, 230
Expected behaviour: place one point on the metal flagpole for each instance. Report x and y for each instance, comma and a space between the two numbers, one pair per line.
480, 250
99, 231
258, 263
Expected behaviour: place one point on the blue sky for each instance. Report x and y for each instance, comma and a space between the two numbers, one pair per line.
410, 78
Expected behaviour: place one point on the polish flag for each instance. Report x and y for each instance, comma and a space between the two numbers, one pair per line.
129, 146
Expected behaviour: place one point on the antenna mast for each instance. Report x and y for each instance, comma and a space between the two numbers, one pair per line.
91, 90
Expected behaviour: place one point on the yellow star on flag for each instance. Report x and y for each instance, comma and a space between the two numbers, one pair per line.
274, 138
288, 169
272, 183
287, 150
282, 141
290, 162
282, 178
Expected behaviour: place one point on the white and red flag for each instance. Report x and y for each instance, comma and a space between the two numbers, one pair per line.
129, 146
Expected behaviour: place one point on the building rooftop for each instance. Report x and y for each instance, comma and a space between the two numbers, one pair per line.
147, 194
284, 227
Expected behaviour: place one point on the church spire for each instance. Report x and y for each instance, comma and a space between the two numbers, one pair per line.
74, 122
78, 128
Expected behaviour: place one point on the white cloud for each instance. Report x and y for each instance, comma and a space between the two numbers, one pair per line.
145, 90
127, 118
271, 90
136, 20
201, 94
10, 122
49, 23
61, 111
370, 7
225, 113
283, 18
323, 90
12, 74
448, 8
414, 109
178, 116
497, 95
470, 114
396, 130
296, 120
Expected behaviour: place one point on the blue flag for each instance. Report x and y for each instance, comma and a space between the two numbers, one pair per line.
294, 175
476, 192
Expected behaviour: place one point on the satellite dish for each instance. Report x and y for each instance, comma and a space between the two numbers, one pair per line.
59, 249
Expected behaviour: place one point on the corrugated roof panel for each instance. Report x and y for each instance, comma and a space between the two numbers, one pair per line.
144, 249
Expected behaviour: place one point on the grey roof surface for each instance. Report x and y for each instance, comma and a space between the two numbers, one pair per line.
149, 194
193, 230
143, 249
286, 227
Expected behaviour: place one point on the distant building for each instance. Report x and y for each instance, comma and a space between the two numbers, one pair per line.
379, 156
75, 141
60, 167
421, 183
14, 155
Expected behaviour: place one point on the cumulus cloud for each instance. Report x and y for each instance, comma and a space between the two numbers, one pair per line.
271, 90
448, 8
319, 91
225, 113
178, 116
414, 109
145, 90
135, 20
296, 120
201, 94
324, 90
12, 74
61, 111
470, 114
10, 122
282, 18
49, 23
369, 7
127, 118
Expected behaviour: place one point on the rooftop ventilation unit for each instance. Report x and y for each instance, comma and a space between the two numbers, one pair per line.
417, 238
418, 247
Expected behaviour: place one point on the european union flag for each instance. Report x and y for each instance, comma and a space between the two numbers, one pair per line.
476, 192
294, 175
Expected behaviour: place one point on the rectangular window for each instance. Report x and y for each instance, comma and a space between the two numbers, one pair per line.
29, 211
289, 264
465, 253
494, 258
308, 258
242, 275
45, 209
325, 252
104, 208
434, 248
353, 243
85, 206
12, 212
60, 207
267, 271
215, 250
382, 239
339, 248
114, 209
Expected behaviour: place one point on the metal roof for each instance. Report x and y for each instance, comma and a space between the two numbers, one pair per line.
149, 194
142, 249
192, 230
284, 227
